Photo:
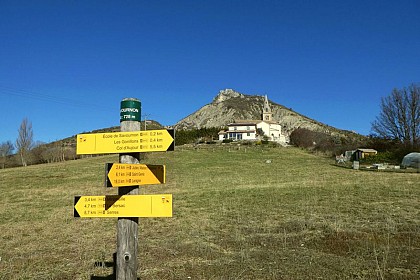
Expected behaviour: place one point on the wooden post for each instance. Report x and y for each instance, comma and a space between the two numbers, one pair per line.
127, 229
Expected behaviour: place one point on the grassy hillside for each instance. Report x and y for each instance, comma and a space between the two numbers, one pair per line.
254, 213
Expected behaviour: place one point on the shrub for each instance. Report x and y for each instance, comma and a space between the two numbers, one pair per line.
380, 157
201, 135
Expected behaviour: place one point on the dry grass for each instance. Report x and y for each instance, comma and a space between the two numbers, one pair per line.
235, 217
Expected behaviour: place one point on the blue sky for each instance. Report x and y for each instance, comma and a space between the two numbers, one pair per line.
66, 65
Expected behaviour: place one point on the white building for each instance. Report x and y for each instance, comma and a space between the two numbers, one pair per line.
241, 130
255, 129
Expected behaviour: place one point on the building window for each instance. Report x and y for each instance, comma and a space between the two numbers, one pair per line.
235, 128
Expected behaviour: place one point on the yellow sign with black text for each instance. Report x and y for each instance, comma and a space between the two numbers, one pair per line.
125, 174
112, 206
125, 142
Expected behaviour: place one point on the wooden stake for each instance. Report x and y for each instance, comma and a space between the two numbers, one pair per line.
127, 229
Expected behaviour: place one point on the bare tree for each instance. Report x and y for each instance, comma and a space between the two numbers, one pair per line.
24, 142
54, 153
399, 117
6, 149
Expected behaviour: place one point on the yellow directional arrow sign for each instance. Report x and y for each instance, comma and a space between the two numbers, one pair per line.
125, 142
124, 174
111, 206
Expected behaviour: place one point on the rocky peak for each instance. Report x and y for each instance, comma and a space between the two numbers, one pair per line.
226, 94
230, 105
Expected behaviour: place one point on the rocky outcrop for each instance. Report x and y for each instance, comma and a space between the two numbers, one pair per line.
226, 94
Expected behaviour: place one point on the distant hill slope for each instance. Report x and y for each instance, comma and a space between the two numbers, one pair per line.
230, 105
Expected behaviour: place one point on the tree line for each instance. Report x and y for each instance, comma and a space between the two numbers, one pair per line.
194, 136
25, 150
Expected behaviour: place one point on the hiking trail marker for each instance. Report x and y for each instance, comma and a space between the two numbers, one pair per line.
125, 142
124, 174
111, 206
127, 175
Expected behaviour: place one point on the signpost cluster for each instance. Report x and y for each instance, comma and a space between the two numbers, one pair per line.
127, 176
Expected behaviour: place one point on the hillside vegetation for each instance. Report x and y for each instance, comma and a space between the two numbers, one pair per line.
239, 213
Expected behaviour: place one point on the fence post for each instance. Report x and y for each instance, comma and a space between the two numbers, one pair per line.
127, 228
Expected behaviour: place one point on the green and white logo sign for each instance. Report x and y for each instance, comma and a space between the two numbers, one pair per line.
130, 110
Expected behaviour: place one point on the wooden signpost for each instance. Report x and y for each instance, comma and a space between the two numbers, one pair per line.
127, 175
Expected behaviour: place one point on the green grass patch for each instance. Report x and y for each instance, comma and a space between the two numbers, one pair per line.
239, 213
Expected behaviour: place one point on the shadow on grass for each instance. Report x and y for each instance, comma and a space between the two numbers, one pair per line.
105, 265
112, 264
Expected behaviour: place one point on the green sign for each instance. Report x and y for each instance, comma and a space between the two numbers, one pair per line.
130, 110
